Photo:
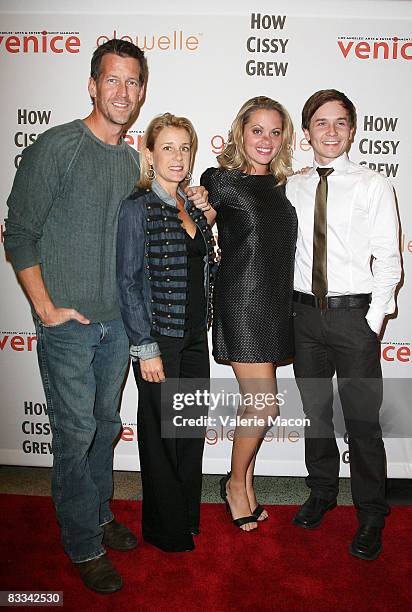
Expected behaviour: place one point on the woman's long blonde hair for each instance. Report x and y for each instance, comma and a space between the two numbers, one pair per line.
234, 156
152, 131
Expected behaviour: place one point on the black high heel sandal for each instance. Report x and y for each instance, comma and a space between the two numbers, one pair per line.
243, 520
258, 511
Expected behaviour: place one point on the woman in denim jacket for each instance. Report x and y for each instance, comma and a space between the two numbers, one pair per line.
165, 249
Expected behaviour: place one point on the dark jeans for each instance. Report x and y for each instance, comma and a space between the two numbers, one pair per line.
171, 466
340, 340
83, 368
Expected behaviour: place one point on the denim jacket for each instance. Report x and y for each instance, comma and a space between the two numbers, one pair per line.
152, 267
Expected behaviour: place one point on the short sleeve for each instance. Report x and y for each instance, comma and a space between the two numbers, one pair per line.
210, 179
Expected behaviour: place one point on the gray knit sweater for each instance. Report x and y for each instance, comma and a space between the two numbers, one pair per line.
63, 215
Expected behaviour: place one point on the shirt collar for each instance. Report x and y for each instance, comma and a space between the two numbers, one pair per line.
340, 164
166, 197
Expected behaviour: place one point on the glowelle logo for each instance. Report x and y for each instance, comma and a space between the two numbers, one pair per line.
39, 42
175, 40
372, 48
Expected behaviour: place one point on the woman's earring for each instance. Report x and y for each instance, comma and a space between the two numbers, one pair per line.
188, 176
150, 174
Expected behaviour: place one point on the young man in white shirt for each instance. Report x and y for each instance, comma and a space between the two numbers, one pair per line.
347, 268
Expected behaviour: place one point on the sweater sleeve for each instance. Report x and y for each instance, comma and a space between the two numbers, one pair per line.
34, 190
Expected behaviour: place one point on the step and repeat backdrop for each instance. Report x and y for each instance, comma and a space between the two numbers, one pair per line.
204, 63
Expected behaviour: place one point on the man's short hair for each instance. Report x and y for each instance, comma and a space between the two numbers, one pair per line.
123, 48
319, 98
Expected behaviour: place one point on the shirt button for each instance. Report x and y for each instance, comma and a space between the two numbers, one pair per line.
169, 316
169, 291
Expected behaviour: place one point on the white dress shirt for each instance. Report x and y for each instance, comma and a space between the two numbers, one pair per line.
362, 227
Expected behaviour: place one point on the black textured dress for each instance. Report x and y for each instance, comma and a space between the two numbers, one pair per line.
257, 229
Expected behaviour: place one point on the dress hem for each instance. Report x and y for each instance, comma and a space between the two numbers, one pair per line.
250, 359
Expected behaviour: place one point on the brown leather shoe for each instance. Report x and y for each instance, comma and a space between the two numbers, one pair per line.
100, 576
118, 536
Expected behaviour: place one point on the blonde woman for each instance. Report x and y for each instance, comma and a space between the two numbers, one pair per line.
164, 254
257, 230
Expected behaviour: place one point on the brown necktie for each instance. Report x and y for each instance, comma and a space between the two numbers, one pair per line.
319, 268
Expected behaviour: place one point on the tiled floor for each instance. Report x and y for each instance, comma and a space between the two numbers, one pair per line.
127, 485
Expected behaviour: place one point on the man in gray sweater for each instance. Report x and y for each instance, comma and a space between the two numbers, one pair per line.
60, 237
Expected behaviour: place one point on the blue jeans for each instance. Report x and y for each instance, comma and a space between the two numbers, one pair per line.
83, 368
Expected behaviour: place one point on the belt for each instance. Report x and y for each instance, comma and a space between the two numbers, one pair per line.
358, 300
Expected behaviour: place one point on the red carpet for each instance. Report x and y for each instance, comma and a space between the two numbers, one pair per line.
280, 567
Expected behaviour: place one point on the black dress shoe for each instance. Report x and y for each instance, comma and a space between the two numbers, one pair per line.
100, 576
367, 542
118, 536
310, 515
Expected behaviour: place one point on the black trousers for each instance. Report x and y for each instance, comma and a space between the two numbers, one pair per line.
340, 340
171, 467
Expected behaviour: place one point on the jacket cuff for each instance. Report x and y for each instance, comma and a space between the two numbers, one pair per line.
145, 351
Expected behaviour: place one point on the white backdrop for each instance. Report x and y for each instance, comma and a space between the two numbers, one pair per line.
204, 63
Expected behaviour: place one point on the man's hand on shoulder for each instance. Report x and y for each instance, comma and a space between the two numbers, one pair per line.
303, 170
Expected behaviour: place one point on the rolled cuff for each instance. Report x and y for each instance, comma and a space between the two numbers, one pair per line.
145, 351
23, 257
